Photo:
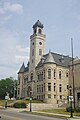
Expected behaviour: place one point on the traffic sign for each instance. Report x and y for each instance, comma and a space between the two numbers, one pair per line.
70, 98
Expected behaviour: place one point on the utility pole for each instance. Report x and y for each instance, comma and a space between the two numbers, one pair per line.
73, 72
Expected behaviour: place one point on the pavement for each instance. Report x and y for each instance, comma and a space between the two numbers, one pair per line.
55, 114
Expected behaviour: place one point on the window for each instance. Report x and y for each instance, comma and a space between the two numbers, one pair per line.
67, 75
60, 96
18, 80
54, 96
32, 52
25, 81
40, 51
33, 43
39, 31
44, 74
35, 31
49, 95
40, 43
59, 74
49, 86
54, 73
60, 88
32, 60
31, 76
40, 76
67, 87
27, 78
54, 86
44, 86
49, 73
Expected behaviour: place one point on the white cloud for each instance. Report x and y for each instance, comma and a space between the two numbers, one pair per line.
21, 49
7, 17
8, 7
21, 59
12, 55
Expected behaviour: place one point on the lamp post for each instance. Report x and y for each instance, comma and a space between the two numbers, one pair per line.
73, 73
30, 101
71, 99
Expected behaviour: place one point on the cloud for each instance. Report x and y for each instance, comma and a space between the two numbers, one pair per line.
22, 54
8, 7
21, 59
12, 54
21, 49
7, 17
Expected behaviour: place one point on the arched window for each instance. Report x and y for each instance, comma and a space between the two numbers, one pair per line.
31, 76
59, 74
54, 74
39, 31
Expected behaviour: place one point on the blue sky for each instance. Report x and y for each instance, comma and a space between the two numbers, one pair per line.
61, 20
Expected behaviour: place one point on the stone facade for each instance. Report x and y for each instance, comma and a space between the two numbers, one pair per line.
46, 75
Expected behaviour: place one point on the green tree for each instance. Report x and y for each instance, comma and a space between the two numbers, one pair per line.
6, 86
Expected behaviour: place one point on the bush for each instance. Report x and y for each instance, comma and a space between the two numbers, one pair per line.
19, 105
68, 109
77, 109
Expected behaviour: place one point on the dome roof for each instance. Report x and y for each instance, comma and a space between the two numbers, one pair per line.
38, 23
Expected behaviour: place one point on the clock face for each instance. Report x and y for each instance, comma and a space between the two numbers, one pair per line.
40, 43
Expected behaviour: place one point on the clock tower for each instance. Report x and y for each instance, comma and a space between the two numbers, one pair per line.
37, 45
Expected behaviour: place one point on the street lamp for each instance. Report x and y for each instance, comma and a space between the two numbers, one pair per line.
30, 101
71, 99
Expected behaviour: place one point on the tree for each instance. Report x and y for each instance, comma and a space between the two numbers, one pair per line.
6, 86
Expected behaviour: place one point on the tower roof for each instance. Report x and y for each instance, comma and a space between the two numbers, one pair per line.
38, 24
22, 68
55, 58
49, 58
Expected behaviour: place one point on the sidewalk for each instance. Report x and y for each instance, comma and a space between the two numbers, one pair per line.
46, 113
61, 115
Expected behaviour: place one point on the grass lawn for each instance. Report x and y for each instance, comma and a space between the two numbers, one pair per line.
60, 111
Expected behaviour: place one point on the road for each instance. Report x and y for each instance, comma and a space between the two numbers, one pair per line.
13, 115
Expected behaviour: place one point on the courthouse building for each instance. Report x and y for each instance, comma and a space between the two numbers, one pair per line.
46, 76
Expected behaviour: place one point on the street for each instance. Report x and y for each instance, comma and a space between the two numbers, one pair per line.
13, 115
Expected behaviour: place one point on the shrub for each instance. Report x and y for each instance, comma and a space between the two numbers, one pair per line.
68, 109
77, 109
19, 105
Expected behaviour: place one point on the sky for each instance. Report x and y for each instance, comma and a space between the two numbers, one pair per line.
61, 20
